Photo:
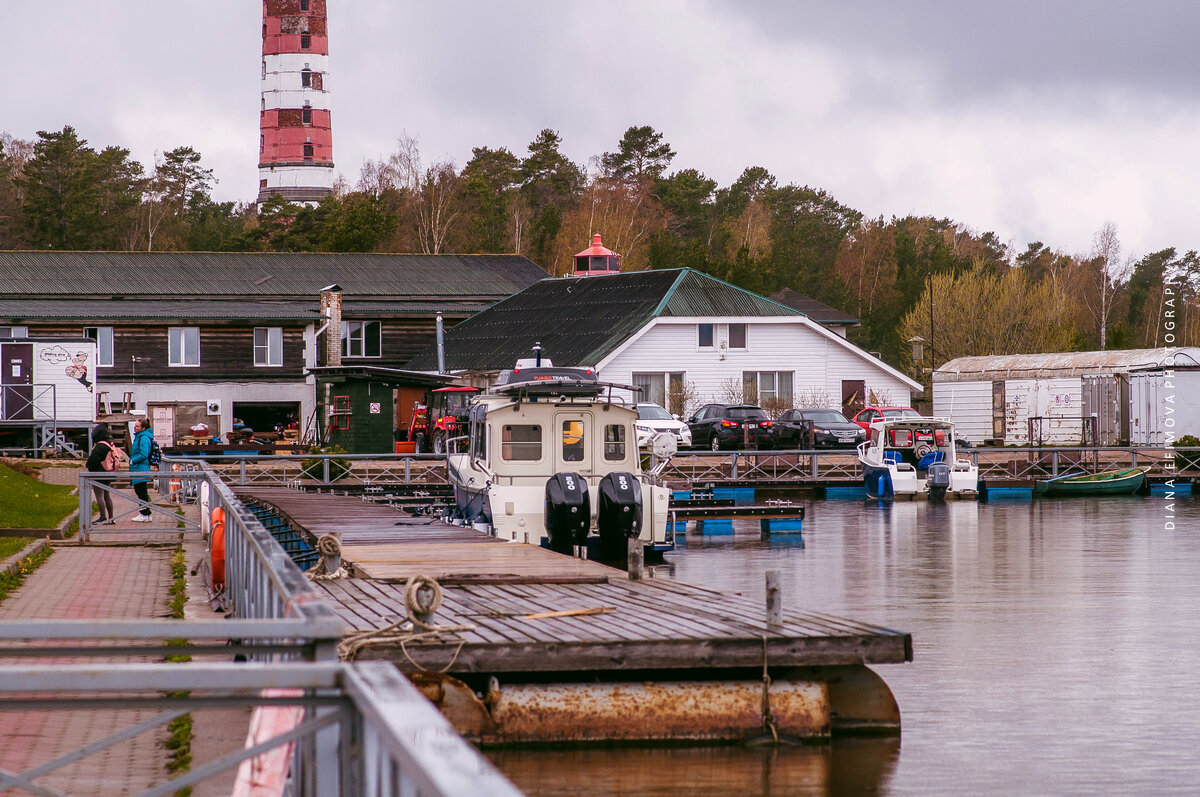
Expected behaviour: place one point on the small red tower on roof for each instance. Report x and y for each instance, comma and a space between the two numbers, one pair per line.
596, 261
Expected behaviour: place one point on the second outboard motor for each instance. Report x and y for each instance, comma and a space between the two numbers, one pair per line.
568, 511
938, 479
619, 516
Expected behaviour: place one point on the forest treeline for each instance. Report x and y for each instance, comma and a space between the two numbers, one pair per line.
988, 296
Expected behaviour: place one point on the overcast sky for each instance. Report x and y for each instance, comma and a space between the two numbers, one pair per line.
1038, 120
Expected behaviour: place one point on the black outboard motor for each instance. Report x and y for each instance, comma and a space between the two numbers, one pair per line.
619, 516
568, 511
937, 479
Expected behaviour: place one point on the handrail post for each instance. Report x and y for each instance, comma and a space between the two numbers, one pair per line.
1054, 462
815, 467
85, 506
407, 469
733, 467
325, 469
242, 474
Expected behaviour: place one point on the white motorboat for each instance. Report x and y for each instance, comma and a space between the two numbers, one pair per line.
915, 458
551, 457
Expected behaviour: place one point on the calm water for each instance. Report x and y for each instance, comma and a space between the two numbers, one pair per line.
1056, 651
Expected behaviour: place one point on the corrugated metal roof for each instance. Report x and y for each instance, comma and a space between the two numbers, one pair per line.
218, 274
698, 294
580, 320
1064, 364
19, 310
817, 311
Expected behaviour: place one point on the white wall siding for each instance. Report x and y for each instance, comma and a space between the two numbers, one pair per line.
227, 393
818, 364
968, 405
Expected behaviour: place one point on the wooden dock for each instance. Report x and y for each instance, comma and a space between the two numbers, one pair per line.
525, 612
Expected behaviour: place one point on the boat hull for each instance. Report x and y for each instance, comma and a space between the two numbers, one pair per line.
1113, 483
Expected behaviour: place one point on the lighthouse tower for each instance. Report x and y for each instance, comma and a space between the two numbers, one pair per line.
296, 141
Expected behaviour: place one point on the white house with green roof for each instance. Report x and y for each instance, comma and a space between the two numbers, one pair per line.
682, 336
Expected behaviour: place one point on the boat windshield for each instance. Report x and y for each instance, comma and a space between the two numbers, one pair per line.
653, 412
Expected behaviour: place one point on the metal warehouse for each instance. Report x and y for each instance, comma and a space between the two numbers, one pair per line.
1131, 396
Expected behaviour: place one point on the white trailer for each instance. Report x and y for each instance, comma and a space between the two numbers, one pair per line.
46, 385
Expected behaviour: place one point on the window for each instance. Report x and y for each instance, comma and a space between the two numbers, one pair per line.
304, 5
104, 344
761, 387
705, 338
360, 339
262, 143
737, 336
614, 442
183, 346
653, 391
306, 115
14, 332
479, 430
305, 41
264, 69
268, 345
572, 441
521, 442
306, 78
308, 152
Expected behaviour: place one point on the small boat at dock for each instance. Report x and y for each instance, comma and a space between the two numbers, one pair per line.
915, 458
1125, 481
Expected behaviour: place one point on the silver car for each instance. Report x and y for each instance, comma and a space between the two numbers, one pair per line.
653, 419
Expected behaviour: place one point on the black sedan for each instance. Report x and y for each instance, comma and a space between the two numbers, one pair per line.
816, 428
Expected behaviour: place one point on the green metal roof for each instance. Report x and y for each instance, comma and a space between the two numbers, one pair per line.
580, 320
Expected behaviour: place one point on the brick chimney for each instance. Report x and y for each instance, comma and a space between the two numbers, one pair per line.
330, 345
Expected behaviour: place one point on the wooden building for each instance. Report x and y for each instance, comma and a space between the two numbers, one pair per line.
212, 338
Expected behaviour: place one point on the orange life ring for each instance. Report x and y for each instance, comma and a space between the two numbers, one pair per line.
218, 549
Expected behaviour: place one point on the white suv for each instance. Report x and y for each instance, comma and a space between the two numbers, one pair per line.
653, 419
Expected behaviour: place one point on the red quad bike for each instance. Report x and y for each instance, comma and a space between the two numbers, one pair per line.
448, 407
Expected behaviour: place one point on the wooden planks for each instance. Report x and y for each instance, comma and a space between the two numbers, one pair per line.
592, 617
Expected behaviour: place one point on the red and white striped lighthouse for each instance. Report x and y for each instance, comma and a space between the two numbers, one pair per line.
296, 139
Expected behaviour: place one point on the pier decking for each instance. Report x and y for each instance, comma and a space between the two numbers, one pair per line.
531, 612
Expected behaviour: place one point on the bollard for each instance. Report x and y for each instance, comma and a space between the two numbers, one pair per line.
635, 559
774, 599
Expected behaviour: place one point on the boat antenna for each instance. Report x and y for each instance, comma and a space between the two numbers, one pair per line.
537, 353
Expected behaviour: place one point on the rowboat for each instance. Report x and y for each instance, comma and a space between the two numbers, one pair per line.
1126, 481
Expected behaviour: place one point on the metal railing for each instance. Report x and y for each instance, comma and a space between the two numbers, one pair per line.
697, 467
387, 739
358, 729
321, 469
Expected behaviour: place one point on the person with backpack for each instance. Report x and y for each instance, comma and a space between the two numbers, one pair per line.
104, 457
141, 452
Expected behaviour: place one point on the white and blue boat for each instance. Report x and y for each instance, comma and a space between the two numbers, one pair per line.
915, 458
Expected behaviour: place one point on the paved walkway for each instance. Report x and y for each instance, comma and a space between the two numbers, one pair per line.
87, 583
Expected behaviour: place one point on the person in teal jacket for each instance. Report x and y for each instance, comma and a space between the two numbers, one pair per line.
139, 461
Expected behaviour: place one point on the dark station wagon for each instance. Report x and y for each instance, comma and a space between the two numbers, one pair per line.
717, 426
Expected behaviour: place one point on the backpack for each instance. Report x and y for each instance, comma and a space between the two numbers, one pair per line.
113, 459
155, 455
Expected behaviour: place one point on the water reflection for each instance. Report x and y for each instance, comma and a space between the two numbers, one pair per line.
1056, 647
843, 767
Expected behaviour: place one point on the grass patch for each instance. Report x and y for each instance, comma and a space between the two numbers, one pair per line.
179, 740
12, 545
26, 503
10, 581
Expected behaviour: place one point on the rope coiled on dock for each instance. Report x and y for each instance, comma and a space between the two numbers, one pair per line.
406, 630
328, 546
